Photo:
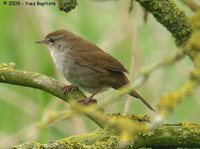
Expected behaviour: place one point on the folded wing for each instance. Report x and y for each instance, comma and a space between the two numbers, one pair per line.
92, 56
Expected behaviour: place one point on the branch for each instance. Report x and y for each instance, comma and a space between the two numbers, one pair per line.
122, 128
167, 135
167, 13
169, 101
148, 70
144, 75
35, 80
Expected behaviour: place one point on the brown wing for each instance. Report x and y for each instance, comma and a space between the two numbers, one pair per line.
92, 56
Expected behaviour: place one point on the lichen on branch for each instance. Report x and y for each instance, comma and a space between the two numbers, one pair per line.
167, 13
166, 135
35, 80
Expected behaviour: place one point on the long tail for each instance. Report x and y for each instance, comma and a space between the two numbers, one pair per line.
121, 80
136, 95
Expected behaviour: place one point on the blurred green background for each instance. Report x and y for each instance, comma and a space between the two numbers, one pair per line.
108, 25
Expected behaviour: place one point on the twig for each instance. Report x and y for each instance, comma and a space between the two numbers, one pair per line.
142, 77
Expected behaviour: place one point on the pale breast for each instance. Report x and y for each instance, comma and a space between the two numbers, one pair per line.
78, 75
62, 60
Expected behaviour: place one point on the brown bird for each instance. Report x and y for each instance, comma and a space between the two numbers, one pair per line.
85, 65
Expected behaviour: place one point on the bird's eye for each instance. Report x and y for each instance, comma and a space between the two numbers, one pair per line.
51, 40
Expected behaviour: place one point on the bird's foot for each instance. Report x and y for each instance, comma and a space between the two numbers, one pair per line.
67, 88
87, 101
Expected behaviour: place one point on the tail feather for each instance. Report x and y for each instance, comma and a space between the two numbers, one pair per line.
136, 95
120, 80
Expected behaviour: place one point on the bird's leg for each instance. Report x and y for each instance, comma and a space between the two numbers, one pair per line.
67, 88
90, 99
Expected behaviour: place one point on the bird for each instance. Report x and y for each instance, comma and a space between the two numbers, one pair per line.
86, 66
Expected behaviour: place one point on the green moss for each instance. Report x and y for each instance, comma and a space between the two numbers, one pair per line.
9, 65
180, 135
102, 135
193, 128
169, 101
32, 145
67, 5
166, 12
110, 143
100, 138
135, 117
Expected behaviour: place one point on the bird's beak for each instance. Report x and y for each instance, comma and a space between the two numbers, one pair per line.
42, 41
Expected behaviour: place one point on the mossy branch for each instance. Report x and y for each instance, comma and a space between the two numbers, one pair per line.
167, 13
134, 130
166, 135
35, 80
8, 74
